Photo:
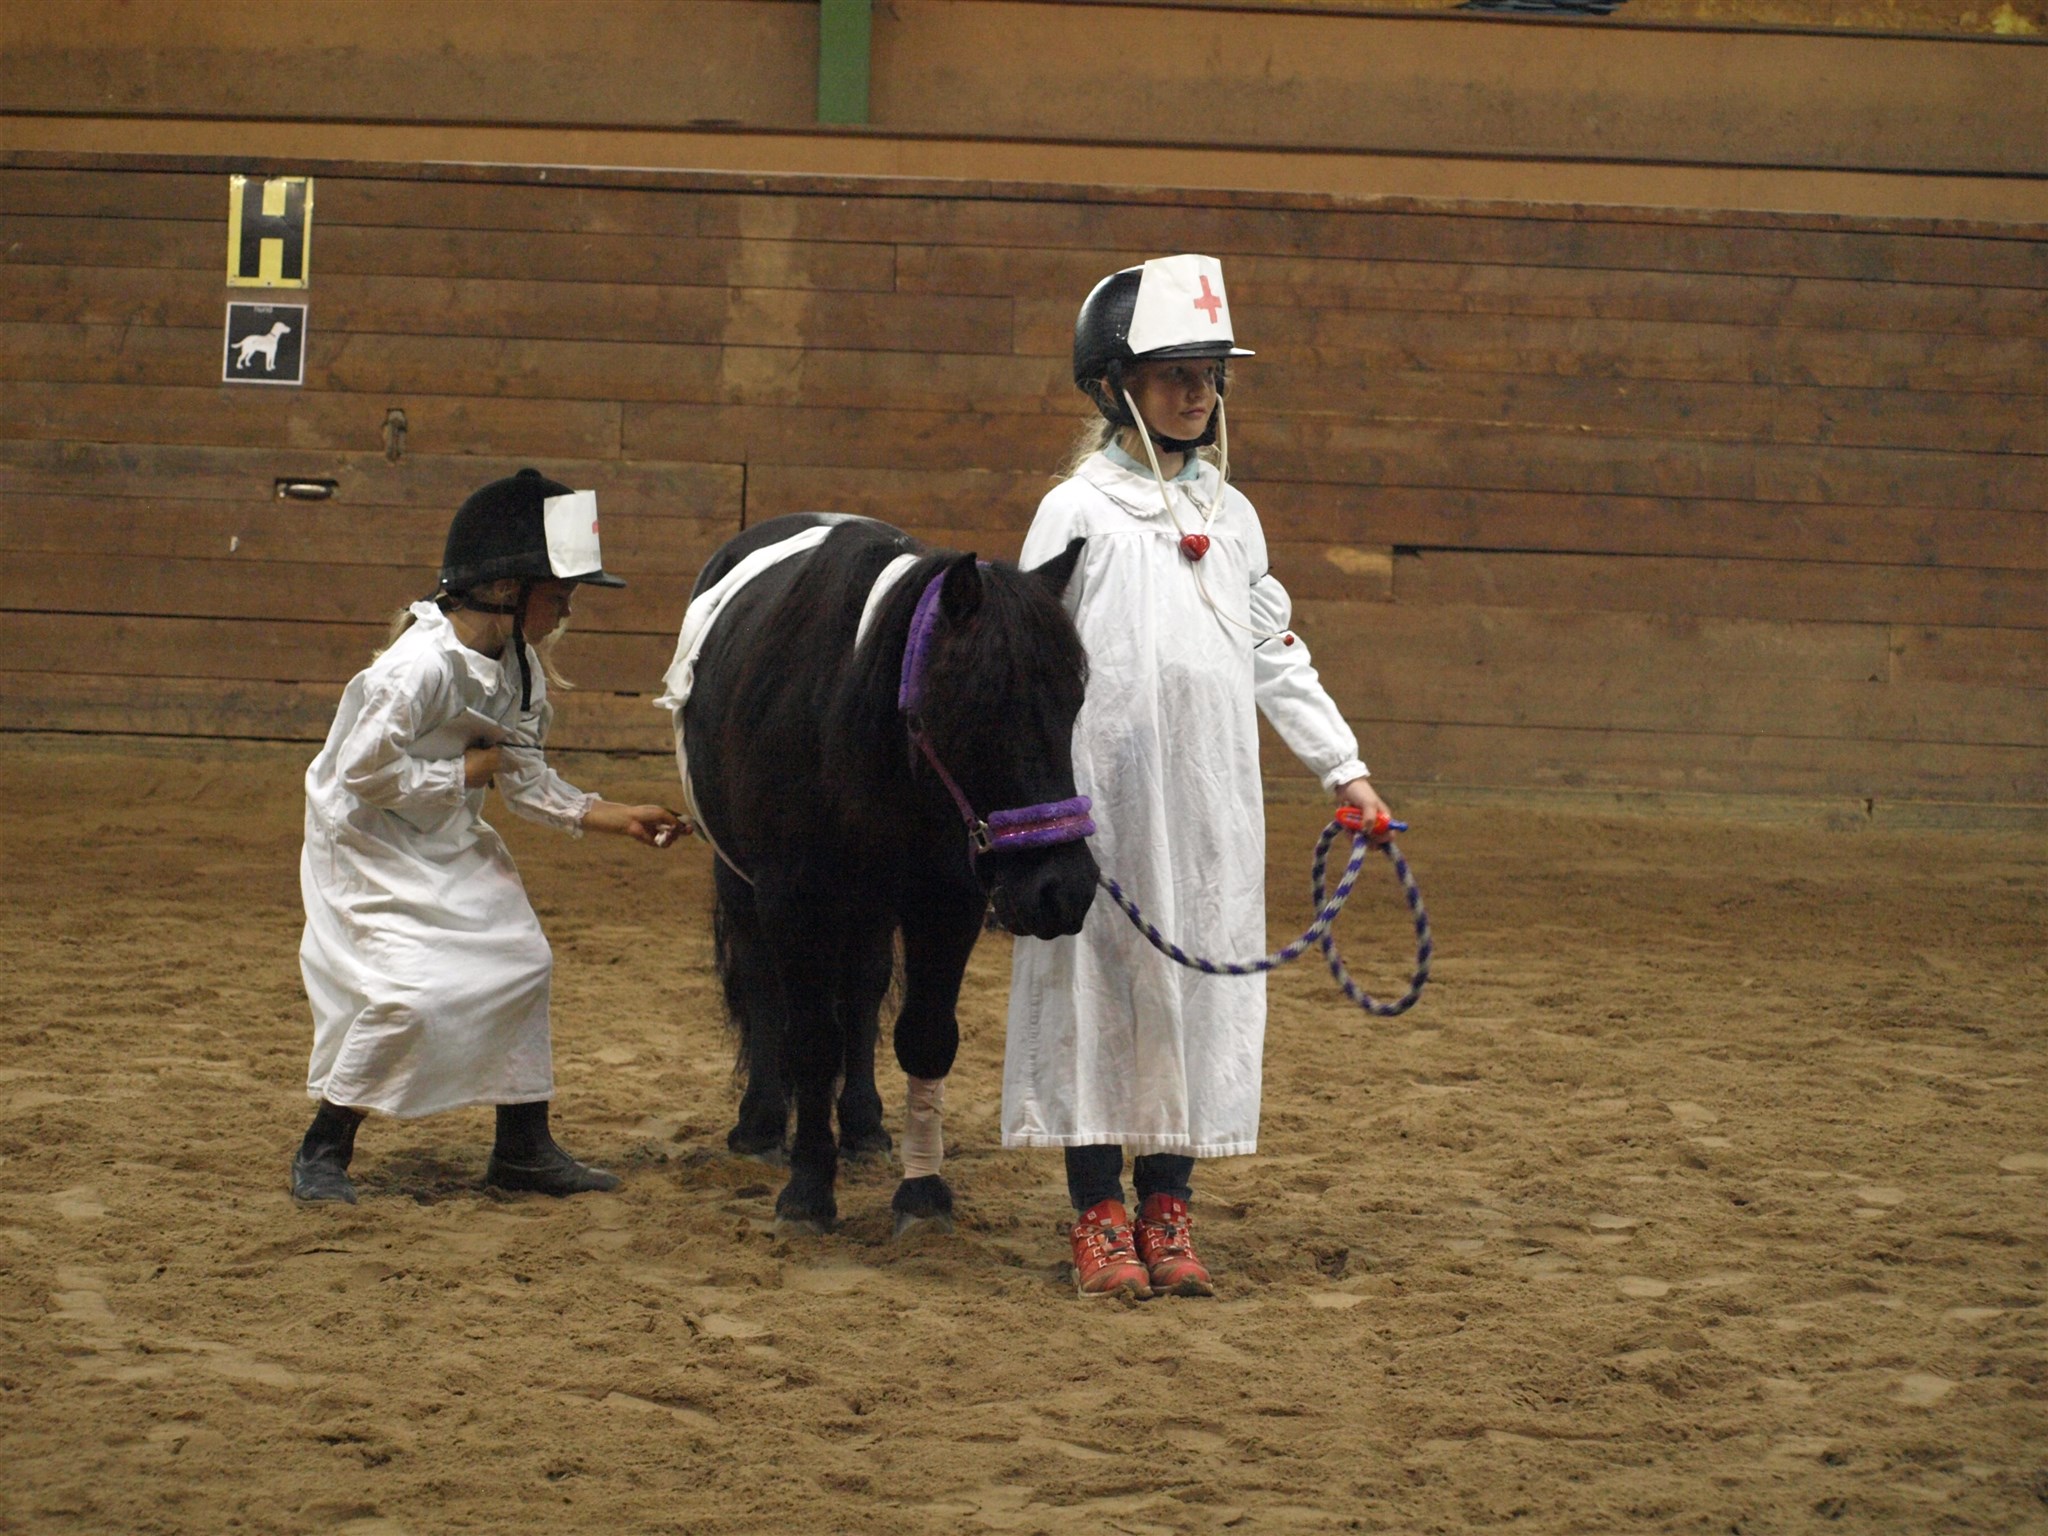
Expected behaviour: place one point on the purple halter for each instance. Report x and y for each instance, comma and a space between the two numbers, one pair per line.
1034, 826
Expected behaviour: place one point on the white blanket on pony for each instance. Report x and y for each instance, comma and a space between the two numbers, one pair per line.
707, 605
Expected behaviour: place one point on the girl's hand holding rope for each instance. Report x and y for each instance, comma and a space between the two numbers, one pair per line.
1378, 820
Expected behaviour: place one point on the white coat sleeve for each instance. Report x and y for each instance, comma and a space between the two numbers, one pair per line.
1057, 523
373, 763
1290, 694
532, 788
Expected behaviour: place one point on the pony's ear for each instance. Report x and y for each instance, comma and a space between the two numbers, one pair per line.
1059, 570
960, 597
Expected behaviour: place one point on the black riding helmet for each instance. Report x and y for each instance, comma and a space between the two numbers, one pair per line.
524, 527
507, 529
1102, 333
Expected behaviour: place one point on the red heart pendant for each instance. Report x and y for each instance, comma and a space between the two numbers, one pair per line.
1194, 545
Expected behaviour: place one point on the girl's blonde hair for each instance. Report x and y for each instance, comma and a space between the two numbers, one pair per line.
1096, 434
506, 591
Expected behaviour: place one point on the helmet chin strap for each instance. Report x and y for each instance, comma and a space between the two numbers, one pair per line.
1208, 513
1222, 447
518, 612
1099, 391
519, 650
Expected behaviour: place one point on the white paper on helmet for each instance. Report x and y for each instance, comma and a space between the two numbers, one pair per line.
466, 730
1180, 300
572, 534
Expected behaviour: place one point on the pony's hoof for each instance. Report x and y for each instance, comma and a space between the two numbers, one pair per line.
909, 1225
805, 1212
922, 1204
866, 1145
763, 1147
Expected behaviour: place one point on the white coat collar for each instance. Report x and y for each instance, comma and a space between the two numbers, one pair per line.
436, 630
1138, 493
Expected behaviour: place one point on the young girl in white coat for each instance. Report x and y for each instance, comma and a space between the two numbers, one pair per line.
424, 963
1111, 1045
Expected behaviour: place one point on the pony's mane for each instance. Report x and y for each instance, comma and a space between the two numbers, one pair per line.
1016, 645
1019, 640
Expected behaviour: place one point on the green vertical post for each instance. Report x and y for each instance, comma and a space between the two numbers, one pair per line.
845, 28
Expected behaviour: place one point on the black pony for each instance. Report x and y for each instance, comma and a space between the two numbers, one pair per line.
835, 830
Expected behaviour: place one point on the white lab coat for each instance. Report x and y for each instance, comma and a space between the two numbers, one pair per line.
424, 963
1109, 1041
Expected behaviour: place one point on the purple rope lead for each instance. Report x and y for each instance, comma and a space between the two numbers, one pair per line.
1318, 932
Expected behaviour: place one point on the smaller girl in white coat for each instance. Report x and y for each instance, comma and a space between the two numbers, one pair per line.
1111, 1046
424, 963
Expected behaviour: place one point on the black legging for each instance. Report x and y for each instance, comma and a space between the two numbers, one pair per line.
1096, 1174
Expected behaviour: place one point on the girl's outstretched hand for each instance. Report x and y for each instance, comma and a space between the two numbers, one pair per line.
1359, 792
654, 825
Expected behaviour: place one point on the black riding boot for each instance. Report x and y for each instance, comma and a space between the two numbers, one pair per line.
320, 1166
526, 1157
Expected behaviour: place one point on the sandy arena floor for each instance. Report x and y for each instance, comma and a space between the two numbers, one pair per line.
1706, 1191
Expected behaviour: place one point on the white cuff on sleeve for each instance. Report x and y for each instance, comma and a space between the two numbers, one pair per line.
575, 827
444, 783
1351, 768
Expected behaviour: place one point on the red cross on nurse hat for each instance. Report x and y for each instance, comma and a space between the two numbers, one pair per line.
1181, 310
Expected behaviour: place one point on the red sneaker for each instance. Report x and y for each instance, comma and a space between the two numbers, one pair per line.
1167, 1249
1105, 1263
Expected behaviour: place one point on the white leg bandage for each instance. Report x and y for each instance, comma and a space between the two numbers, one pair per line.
924, 1126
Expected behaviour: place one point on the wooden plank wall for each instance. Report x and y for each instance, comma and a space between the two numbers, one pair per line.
1446, 85
1566, 497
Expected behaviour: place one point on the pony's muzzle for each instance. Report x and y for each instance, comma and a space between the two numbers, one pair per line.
1046, 897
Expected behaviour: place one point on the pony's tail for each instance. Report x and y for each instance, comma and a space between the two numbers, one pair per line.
754, 1012
725, 944
751, 990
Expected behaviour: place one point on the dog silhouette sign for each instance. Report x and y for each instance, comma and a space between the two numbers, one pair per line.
266, 344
